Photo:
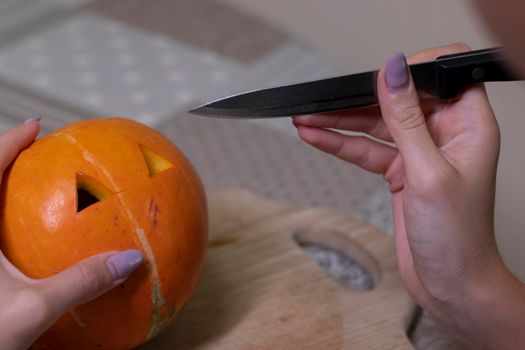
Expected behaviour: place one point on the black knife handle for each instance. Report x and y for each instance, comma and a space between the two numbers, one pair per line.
457, 71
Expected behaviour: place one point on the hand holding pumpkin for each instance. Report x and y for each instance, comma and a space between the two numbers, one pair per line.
28, 306
99, 185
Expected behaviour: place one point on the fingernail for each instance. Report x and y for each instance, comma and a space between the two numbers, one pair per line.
124, 263
397, 72
298, 118
32, 120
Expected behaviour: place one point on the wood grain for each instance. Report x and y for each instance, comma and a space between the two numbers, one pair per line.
260, 290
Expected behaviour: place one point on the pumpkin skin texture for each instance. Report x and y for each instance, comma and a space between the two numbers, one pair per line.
150, 198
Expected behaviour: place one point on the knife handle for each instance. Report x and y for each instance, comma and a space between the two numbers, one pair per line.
457, 71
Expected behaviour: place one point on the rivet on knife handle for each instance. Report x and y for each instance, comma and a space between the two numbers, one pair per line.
457, 71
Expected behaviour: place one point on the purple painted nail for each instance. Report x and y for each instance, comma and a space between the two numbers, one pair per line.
32, 120
397, 72
124, 263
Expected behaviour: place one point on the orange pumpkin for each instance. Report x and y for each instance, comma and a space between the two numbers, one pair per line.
99, 185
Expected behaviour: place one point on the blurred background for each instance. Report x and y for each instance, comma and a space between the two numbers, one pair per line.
153, 60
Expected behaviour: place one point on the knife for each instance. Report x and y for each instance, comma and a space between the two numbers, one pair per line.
444, 78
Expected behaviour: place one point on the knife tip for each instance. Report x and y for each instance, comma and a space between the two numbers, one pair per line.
197, 110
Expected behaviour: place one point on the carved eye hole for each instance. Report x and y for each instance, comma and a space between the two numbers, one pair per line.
156, 163
89, 192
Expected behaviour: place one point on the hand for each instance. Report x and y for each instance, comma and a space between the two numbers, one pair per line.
28, 306
440, 160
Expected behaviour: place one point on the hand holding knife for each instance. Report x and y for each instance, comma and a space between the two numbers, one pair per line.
443, 78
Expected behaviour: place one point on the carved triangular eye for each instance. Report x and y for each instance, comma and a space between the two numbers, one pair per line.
89, 191
156, 163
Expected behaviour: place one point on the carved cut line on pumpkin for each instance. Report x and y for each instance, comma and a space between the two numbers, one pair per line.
89, 191
156, 163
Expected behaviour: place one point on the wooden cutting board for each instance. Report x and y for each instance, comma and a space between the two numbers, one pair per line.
261, 290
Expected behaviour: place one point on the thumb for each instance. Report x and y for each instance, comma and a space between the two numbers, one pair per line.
403, 115
89, 279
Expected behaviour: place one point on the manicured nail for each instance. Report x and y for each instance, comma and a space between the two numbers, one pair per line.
124, 263
397, 72
32, 120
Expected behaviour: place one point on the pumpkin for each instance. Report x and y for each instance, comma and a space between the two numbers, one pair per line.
99, 185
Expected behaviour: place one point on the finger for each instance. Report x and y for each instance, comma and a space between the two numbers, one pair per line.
373, 111
432, 54
404, 117
371, 124
361, 151
89, 279
8, 270
16, 139
405, 259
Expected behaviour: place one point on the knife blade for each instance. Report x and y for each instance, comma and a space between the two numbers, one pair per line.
444, 78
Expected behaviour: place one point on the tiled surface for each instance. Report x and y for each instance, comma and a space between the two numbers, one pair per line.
271, 163
109, 67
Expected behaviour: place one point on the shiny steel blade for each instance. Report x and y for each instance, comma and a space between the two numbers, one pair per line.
350, 91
